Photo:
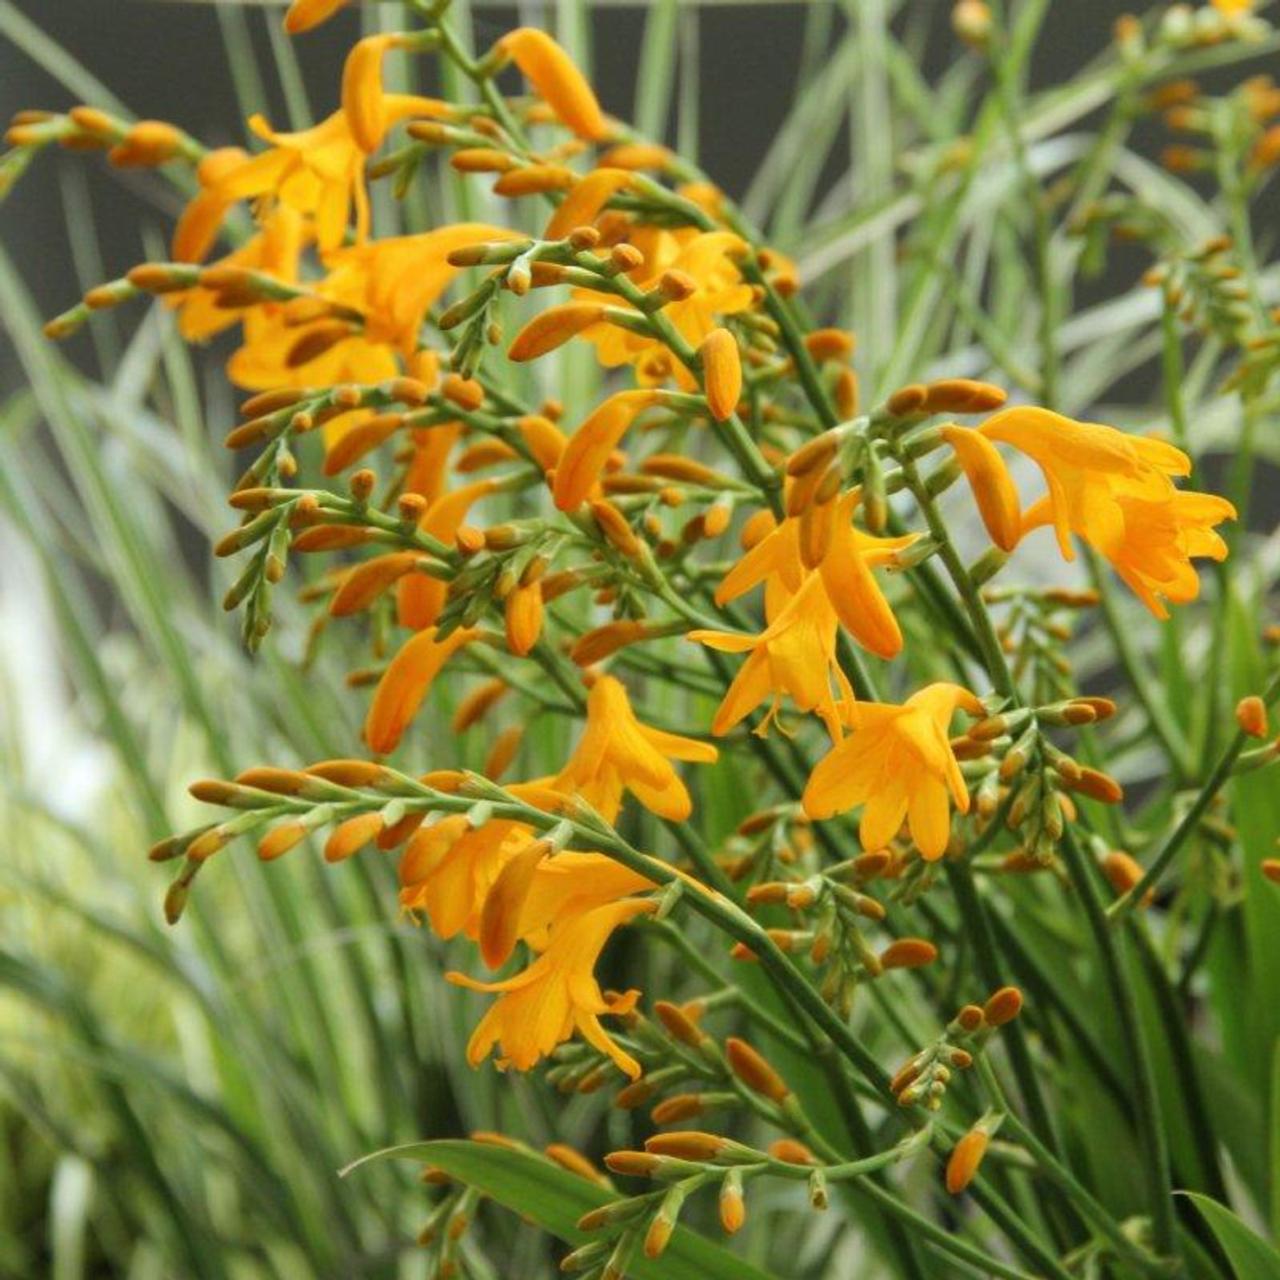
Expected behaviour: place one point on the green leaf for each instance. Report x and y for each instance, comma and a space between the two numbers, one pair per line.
555, 1199
1251, 1257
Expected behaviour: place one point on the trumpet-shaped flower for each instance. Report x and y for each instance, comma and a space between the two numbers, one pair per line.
897, 763
845, 570
1116, 492
795, 655
557, 994
617, 754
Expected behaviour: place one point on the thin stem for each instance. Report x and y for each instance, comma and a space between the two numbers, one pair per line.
1146, 1105
1191, 819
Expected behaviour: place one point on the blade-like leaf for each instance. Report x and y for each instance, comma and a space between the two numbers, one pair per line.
555, 1199
1252, 1258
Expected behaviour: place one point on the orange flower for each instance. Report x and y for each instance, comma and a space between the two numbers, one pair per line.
1116, 492
992, 485
405, 682
557, 80
845, 570
794, 655
364, 104
198, 226
305, 14
897, 763
275, 250
618, 754
557, 995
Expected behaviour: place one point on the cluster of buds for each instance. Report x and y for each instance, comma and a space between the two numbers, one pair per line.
441, 1235
835, 907
1183, 26
1033, 779
767, 842
1033, 633
922, 1080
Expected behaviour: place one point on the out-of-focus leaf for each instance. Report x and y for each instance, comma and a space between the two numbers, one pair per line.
1252, 1258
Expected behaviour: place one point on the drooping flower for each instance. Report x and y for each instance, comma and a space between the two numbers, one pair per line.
617, 754
1116, 492
795, 655
557, 994
897, 763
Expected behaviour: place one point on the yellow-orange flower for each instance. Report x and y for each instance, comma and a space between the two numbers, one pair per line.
557, 995
274, 250
389, 284
897, 763
617, 754
369, 111
795, 655
1116, 492
845, 571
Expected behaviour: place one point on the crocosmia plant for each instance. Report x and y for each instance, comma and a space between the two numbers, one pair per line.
811, 669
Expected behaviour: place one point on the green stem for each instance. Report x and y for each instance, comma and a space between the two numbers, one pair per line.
1191, 819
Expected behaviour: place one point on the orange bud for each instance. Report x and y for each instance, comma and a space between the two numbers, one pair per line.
1251, 716
613, 525
523, 617
1271, 869
552, 328
722, 373
279, 840
908, 400
567, 1158
966, 1156
1002, 1007
534, 179
1123, 873
478, 702
686, 1144
351, 836
908, 953
680, 1026
790, 1151
680, 1106
1096, 785
733, 1209
752, 1069
305, 14
147, 144
634, 1164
